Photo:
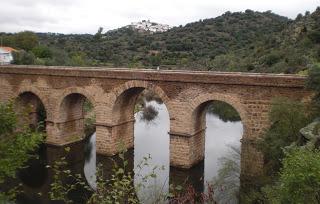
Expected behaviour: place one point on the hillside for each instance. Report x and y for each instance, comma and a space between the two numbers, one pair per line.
241, 41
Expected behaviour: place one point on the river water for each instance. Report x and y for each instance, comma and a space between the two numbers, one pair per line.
151, 139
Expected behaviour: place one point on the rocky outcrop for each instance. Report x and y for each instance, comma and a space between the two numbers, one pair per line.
311, 134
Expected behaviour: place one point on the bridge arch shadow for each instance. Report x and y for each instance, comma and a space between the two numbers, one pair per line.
32, 113
76, 116
31, 110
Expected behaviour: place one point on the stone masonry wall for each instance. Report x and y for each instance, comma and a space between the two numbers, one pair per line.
185, 94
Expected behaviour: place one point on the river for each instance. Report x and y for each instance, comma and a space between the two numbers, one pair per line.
151, 139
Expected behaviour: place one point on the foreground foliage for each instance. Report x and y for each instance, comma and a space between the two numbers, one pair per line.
16, 145
226, 184
299, 178
118, 187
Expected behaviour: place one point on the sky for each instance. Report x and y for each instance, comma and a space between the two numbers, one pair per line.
86, 16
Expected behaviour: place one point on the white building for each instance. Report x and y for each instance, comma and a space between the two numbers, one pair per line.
6, 55
147, 25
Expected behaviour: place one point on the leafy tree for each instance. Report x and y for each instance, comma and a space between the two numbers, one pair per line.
271, 58
287, 118
98, 35
313, 81
26, 40
79, 59
42, 51
315, 36
299, 180
23, 57
16, 143
299, 17
155, 60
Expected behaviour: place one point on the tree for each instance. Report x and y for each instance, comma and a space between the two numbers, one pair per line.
299, 17
16, 143
42, 51
155, 60
313, 82
314, 36
26, 40
98, 35
79, 59
299, 180
23, 57
287, 118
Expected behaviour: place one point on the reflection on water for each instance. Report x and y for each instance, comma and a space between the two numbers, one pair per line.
149, 138
152, 138
220, 137
90, 162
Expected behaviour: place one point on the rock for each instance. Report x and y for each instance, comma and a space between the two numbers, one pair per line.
312, 134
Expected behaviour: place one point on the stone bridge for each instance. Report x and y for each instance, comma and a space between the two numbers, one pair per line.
113, 93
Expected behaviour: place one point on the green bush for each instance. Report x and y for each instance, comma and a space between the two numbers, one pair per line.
287, 118
23, 58
315, 36
271, 58
313, 81
42, 51
16, 143
299, 180
26, 40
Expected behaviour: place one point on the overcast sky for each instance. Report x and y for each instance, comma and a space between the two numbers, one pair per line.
85, 16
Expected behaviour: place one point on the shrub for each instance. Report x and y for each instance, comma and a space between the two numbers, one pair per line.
287, 118
42, 51
299, 180
23, 57
16, 143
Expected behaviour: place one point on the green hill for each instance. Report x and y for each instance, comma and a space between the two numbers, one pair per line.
241, 41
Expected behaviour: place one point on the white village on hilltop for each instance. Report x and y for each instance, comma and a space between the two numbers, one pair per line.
146, 25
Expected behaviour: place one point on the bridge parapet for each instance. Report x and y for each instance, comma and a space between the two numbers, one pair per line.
210, 77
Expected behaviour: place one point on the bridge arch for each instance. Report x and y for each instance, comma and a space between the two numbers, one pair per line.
122, 101
76, 90
190, 139
40, 94
124, 96
31, 108
200, 103
71, 113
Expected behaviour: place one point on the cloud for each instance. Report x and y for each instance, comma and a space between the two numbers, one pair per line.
83, 16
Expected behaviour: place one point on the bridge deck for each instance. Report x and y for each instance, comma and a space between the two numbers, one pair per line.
211, 77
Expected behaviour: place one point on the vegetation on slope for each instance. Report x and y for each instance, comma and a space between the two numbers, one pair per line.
240, 41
